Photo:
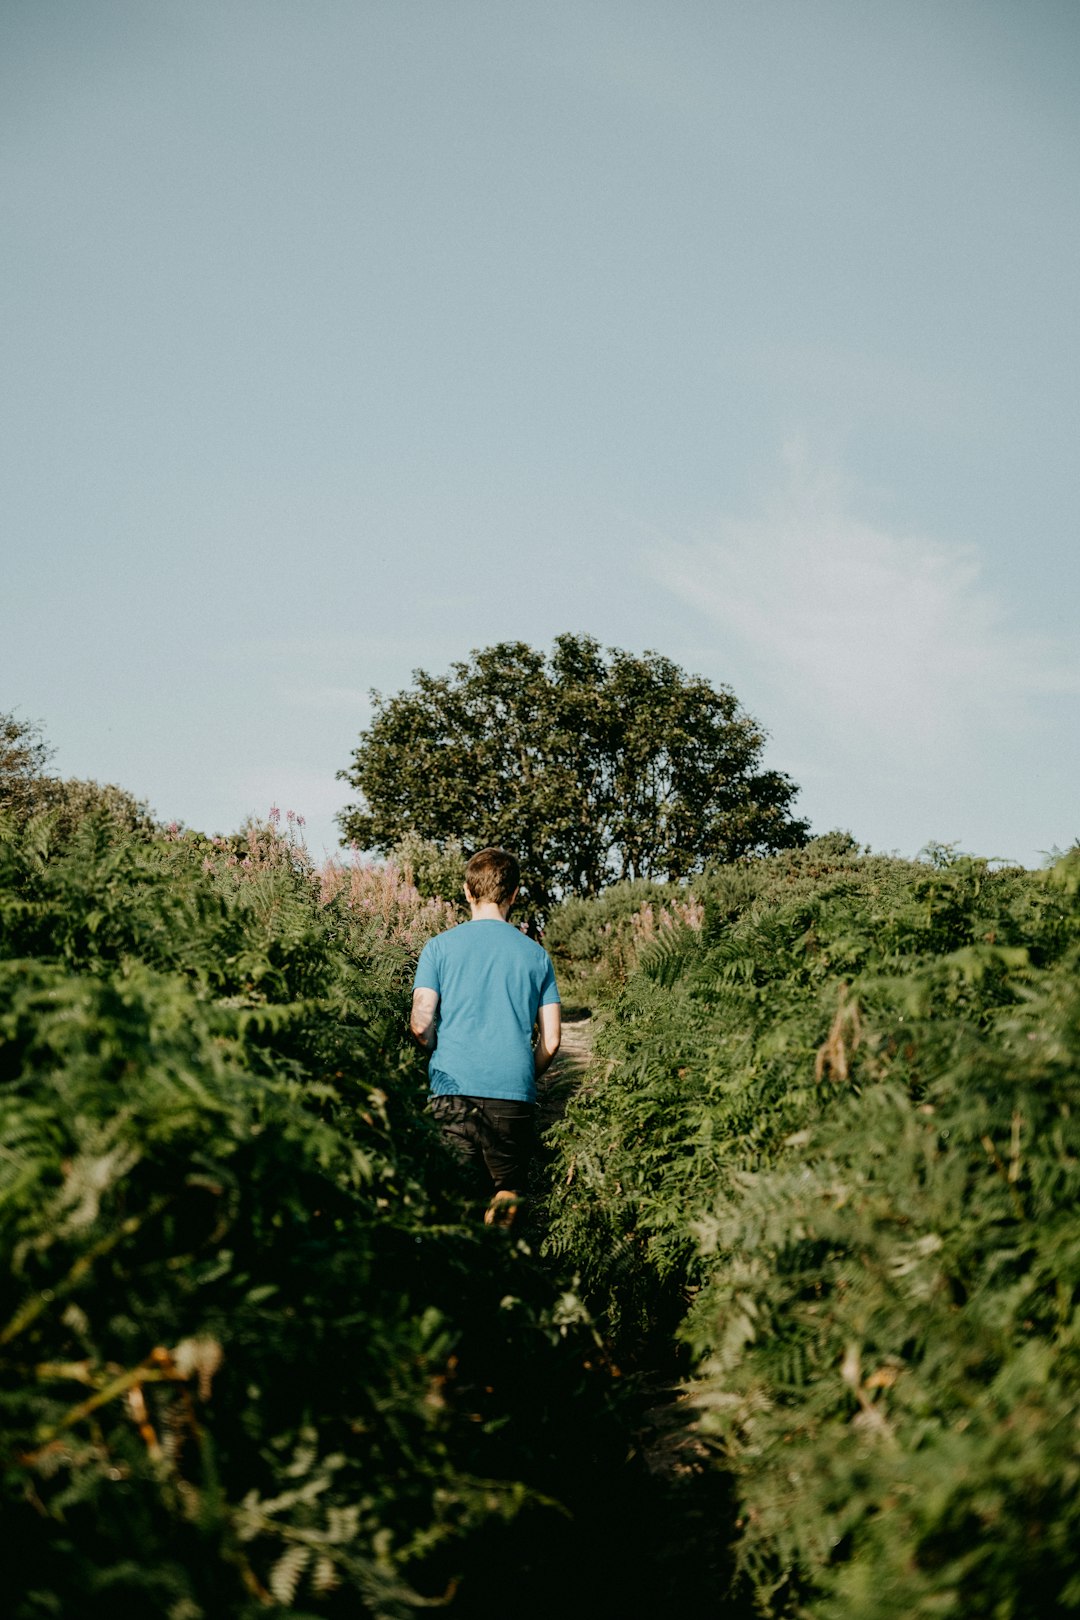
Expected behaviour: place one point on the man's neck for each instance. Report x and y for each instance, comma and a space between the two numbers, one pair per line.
489, 911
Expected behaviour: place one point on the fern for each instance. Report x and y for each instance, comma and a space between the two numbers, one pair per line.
859, 1095
251, 1350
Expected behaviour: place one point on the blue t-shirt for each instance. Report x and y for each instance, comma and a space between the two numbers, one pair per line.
491, 980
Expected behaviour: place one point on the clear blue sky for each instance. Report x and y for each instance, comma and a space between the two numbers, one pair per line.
340, 338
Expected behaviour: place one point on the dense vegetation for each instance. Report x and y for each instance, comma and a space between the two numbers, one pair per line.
255, 1354
804, 1340
591, 766
833, 1146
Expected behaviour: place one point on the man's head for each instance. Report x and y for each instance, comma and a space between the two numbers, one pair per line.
493, 876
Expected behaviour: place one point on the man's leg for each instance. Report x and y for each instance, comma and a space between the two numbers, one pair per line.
460, 1126
495, 1141
508, 1141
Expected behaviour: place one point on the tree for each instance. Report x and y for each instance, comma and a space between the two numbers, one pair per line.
591, 766
24, 756
27, 790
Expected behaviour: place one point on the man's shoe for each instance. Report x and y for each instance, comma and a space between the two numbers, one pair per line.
502, 1209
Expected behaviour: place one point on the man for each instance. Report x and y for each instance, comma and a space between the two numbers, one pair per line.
480, 989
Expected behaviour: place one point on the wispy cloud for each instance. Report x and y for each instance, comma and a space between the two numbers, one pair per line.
894, 644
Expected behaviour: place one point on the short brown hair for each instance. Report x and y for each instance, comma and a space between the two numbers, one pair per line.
493, 874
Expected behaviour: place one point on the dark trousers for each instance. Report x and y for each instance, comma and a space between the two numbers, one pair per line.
494, 1138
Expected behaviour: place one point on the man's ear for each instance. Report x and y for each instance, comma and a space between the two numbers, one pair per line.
470, 897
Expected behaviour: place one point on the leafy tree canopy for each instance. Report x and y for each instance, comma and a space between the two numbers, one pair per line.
27, 789
24, 759
591, 765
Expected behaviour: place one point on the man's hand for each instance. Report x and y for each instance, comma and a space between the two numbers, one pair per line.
550, 1020
425, 1005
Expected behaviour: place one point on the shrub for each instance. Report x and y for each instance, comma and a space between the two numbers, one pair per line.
437, 870
596, 944
27, 790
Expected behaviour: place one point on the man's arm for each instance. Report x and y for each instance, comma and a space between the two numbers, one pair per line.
425, 1005
550, 1018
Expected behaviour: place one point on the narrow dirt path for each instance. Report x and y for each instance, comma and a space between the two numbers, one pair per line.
553, 1091
560, 1082
687, 1529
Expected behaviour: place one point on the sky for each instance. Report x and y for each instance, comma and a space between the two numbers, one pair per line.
342, 337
